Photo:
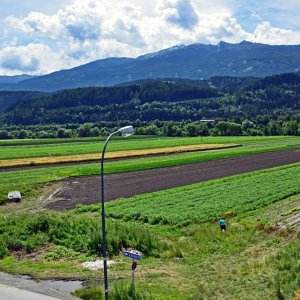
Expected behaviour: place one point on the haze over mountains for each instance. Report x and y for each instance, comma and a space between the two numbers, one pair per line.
195, 61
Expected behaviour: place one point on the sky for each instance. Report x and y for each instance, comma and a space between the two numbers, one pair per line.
39, 37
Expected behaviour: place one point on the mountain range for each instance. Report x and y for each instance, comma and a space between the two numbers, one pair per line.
195, 61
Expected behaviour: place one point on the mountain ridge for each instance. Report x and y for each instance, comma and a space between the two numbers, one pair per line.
194, 61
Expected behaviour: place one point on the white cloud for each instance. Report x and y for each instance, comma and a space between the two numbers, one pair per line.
36, 23
265, 33
226, 28
93, 29
179, 12
31, 59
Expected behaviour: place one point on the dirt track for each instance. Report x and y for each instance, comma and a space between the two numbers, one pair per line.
86, 190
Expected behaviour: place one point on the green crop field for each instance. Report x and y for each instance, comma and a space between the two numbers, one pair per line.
91, 146
51, 141
27, 181
185, 254
209, 200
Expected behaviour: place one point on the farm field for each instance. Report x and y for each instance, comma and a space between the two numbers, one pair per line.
86, 189
89, 146
209, 200
185, 254
5, 163
28, 181
46, 141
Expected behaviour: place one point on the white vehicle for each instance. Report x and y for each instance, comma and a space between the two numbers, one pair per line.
14, 196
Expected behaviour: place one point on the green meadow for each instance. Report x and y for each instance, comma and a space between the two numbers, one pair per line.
185, 255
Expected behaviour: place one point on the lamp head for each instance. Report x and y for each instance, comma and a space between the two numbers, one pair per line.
126, 131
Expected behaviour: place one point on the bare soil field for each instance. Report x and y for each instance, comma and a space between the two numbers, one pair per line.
86, 190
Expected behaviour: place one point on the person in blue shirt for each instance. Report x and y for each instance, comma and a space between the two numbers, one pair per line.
222, 224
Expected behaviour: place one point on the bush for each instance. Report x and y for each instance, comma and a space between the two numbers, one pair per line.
59, 252
34, 242
3, 250
79, 233
120, 291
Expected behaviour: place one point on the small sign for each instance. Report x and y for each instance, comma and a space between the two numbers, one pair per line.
133, 266
133, 255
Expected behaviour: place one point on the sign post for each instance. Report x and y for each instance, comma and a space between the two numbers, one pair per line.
135, 255
133, 268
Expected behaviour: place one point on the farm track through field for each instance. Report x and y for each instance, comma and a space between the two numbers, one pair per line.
86, 190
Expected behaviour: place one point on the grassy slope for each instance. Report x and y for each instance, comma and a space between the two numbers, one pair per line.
250, 261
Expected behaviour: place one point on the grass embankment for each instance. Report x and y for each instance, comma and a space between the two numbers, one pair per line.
28, 181
190, 260
111, 155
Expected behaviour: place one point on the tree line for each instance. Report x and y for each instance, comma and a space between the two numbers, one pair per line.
158, 128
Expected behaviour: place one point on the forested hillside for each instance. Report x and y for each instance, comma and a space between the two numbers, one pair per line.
105, 104
7, 99
238, 105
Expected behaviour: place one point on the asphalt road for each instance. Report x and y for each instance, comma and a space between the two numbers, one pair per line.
13, 293
18, 287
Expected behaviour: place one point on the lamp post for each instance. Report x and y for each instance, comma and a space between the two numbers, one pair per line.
125, 131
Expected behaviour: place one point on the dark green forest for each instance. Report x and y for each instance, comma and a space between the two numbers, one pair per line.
247, 105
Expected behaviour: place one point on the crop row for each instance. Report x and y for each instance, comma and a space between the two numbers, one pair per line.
209, 200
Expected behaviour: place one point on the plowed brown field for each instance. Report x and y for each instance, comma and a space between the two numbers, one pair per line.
86, 190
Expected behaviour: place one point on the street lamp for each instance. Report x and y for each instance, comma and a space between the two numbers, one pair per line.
125, 131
